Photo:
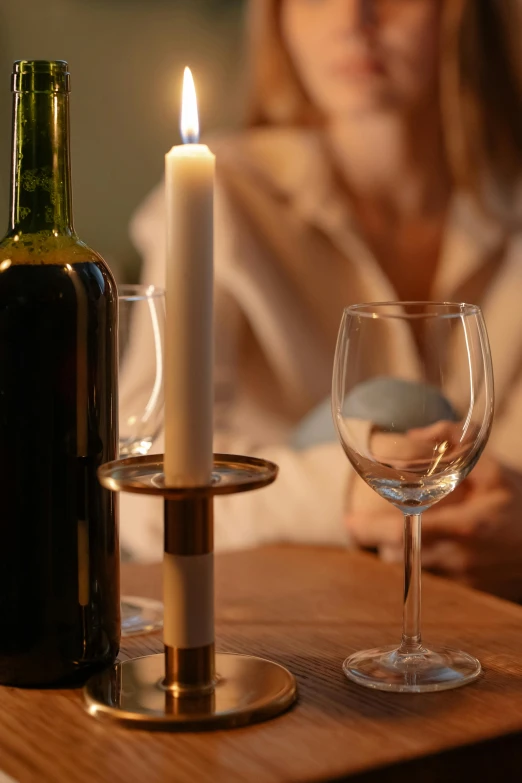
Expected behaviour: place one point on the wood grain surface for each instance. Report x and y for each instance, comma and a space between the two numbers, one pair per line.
306, 608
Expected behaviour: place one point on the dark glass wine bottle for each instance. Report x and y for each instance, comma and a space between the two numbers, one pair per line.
59, 554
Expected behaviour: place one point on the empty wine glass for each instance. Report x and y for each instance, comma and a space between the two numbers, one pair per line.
141, 338
412, 400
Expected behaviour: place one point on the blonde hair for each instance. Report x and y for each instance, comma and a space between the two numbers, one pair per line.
480, 86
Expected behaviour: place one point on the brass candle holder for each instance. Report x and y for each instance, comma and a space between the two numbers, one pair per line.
189, 687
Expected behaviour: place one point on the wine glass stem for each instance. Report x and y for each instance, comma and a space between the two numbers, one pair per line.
411, 633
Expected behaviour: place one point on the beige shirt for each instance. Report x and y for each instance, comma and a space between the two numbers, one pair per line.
288, 259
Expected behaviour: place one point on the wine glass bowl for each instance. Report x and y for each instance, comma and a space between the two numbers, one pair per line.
141, 329
412, 401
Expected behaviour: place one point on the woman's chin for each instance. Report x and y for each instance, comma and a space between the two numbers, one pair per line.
358, 104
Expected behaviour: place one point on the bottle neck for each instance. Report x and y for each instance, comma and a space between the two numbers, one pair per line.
41, 197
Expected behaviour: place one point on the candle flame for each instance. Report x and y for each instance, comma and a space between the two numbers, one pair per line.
189, 110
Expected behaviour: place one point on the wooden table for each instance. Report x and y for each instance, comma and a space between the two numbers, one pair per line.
306, 608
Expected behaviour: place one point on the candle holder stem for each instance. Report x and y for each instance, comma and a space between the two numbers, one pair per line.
188, 595
189, 687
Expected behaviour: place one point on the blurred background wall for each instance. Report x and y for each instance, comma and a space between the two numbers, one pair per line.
126, 59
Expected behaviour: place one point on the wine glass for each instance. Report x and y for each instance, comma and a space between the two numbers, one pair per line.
141, 339
412, 401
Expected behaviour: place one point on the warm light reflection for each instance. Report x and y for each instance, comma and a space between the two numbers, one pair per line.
5, 265
189, 110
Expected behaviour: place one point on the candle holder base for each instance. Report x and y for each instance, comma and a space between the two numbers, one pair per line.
247, 690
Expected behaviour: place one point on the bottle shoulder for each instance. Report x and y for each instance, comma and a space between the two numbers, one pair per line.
45, 248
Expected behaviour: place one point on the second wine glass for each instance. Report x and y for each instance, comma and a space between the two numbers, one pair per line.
413, 405
141, 340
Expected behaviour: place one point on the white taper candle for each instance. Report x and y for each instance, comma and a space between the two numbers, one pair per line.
189, 182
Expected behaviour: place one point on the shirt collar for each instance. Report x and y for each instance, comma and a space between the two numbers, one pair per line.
471, 238
295, 163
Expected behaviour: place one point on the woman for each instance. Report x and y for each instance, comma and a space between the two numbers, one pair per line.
380, 161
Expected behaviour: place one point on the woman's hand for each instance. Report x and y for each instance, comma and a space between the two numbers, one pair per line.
440, 443
473, 536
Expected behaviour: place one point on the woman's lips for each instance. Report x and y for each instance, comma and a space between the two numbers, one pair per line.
362, 67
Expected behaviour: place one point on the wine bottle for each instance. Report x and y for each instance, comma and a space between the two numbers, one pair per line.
59, 551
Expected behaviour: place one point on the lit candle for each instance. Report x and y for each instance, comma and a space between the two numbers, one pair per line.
189, 180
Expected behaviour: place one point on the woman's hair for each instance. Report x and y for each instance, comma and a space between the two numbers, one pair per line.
480, 86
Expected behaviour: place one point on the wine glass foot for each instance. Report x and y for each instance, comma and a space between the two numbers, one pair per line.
422, 671
140, 616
